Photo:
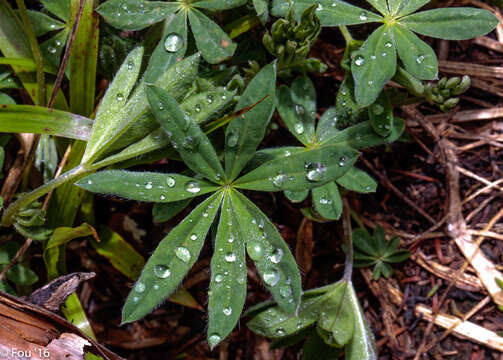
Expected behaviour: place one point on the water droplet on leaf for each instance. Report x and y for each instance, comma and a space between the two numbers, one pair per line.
161, 271
192, 186
173, 42
183, 254
271, 277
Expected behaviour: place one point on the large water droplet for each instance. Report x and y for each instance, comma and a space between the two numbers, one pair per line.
52, 50
182, 253
213, 340
209, 98
316, 172
119, 97
232, 139
161, 271
359, 60
255, 250
388, 44
420, 59
378, 109
130, 65
342, 161
160, 106
285, 291
193, 237
276, 256
299, 128
279, 180
230, 257
271, 277
363, 16
170, 181
197, 108
280, 331
173, 42
190, 142
227, 311
299, 109
139, 287
219, 278
192, 186
148, 185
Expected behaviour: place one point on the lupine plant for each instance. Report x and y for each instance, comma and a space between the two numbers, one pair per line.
165, 101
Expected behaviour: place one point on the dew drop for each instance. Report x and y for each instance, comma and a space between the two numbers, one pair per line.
227, 311
315, 171
299, 128
130, 65
319, 7
197, 107
230, 257
231, 238
192, 186
280, 331
161, 271
255, 250
378, 109
276, 256
213, 340
285, 291
160, 106
299, 109
232, 139
209, 98
90, 182
190, 142
271, 277
359, 61
420, 59
162, 197
279, 180
373, 57
120, 97
363, 16
139, 287
173, 42
148, 185
219, 278
342, 161
52, 50
182, 253
193, 237
156, 287
388, 44
171, 181
136, 298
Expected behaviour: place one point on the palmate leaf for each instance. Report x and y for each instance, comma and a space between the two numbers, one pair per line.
330, 12
145, 186
373, 65
357, 180
402, 8
300, 171
171, 260
227, 292
114, 100
244, 134
271, 255
185, 135
451, 23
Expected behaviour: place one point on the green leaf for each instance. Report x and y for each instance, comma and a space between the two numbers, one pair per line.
215, 45
245, 133
381, 115
53, 48
402, 8
327, 201
364, 242
300, 171
136, 119
362, 345
327, 125
83, 59
171, 260
297, 108
348, 111
115, 98
417, 56
262, 10
264, 155
357, 180
228, 276
380, 5
336, 314
53, 259
163, 212
380, 238
75, 314
362, 135
121, 255
373, 65
185, 134
21, 275
171, 47
135, 14
451, 23
297, 196
145, 186
271, 255
218, 4
60, 8
42, 23
41, 120
6, 100
46, 157
276, 323
330, 12
398, 256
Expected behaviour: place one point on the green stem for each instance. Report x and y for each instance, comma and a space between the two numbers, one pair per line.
36, 52
348, 241
357, 220
72, 175
347, 35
